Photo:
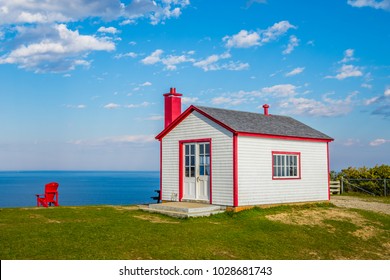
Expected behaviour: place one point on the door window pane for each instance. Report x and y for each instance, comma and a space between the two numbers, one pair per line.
187, 171
192, 171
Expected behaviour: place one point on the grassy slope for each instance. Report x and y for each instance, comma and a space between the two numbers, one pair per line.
105, 232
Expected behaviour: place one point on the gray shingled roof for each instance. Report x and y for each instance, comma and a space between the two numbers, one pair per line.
259, 123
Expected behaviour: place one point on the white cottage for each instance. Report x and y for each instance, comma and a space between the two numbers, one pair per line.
234, 158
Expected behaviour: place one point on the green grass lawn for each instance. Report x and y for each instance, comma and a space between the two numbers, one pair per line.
316, 231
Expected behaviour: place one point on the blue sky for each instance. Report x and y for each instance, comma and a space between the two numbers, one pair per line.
82, 81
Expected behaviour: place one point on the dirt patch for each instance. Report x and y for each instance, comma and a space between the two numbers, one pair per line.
366, 229
225, 254
129, 208
155, 219
358, 203
44, 219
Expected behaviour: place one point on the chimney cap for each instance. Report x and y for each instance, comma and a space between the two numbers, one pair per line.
172, 92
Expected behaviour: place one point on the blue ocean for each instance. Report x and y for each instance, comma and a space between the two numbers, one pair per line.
18, 188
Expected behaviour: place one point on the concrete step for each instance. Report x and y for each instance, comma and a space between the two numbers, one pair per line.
184, 210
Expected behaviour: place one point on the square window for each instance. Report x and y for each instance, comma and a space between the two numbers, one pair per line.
286, 165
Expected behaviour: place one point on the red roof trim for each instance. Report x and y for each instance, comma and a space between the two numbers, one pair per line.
175, 122
184, 115
259, 135
250, 134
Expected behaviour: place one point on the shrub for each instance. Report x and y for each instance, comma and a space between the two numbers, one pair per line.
371, 179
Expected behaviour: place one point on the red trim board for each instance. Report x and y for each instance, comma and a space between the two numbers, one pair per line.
235, 170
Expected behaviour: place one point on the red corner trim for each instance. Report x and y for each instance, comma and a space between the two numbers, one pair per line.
181, 177
235, 170
327, 151
161, 165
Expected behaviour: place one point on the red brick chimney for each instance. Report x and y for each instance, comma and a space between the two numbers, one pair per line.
266, 106
172, 106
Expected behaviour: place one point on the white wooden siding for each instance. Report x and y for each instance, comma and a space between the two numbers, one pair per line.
255, 184
196, 126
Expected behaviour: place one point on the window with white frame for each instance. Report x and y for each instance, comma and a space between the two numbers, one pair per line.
286, 165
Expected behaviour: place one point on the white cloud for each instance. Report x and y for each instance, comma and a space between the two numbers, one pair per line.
129, 139
282, 90
208, 63
80, 106
115, 140
112, 106
293, 42
211, 63
146, 84
251, 2
327, 107
384, 4
111, 30
365, 85
295, 71
129, 54
57, 52
381, 102
348, 56
47, 11
170, 62
370, 101
244, 39
32, 24
143, 104
275, 31
291, 101
387, 92
351, 142
227, 100
189, 100
347, 71
153, 58
155, 118
378, 142
156, 11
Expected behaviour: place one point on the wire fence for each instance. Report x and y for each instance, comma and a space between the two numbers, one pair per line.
376, 187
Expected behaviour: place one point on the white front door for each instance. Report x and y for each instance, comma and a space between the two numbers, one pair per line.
197, 171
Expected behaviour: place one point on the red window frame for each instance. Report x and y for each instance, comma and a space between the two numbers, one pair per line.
284, 153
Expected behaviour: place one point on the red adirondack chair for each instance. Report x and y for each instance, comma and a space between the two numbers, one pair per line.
50, 197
